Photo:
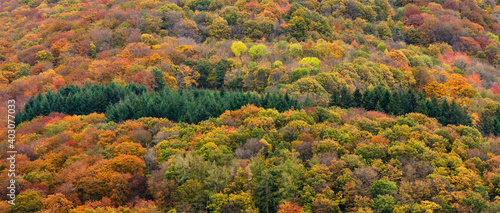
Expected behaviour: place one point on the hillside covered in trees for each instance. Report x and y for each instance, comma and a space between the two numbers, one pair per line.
252, 105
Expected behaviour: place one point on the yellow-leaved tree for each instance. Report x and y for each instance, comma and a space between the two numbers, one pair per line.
459, 86
238, 48
436, 89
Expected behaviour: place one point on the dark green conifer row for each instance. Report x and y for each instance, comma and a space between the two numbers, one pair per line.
193, 105
402, 102
134, 101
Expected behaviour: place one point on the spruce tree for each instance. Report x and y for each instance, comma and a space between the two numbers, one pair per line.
345, 97
308, 102
410, 101
455, 114
496, 124
396, 104
433, 108
357, 98
427, 108
386, 102
486, 123
158, 77
335, 99
45, 106
100, 102
444, 117
368, 100
71, 105
378, 107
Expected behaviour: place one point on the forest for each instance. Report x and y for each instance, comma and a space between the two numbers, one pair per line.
255, 106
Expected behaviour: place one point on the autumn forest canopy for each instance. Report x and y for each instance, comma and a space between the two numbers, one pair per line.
252, 105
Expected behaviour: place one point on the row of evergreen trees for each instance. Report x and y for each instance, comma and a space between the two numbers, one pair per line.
74, 100
134, 101
402, 102
193, 105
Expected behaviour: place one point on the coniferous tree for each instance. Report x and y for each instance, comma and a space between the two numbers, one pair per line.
496, 124
50, 96
335, 99
45, 106
158, 77
386, 102
71, 105
223, 91
486, 123
357, 98
100, 102
422, 108
410, 101
264, 100
426, 107
29, 112
345, 98
378, 107
308, 102
432, 107
86, 105
455, 114
220, 72
369, 100
445, 110
396, 104
59, 103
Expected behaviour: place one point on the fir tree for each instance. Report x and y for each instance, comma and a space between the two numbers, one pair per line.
308, 102
369, 100
334, 99
487, 123
357, 98
444, 117
386, 102
496, 124
158, 76
345, 97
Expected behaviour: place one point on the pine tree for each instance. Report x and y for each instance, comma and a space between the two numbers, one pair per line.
396, 104
455, 114
100, 102
345, 97
444, 117
433, 109
496, 124
223, 91
410, 101
50, 96
71, 106
45, 106
308, 102
158, 76
264, 100
386, 102
203, 114
188, 118
422, 108
427, 108
378, 107
368, 100
86, 100
487, 123
357, 98
335, 99
220, 72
